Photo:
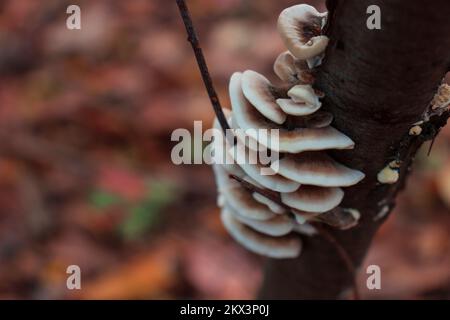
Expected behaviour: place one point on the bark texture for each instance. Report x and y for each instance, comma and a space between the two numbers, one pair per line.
377, 83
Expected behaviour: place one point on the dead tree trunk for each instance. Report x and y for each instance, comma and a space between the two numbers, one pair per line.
377, 83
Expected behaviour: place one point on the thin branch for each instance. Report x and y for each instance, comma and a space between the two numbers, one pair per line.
193, 39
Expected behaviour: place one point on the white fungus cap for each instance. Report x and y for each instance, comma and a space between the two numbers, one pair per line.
305, 229
277, 226
222, 146
304, 93
273, 206
308, 182
243, 138
274, 247
293, 108
271, 180
300, 28
313, 199
257, 90
317, 169
291, 70
284, 67
240, 199
292, 141
389, 174
302, 216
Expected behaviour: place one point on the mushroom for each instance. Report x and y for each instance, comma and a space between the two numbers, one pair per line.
277, 226
220, 145
220, 200
302, 216
265, 176
300, 27
274, 247
319, 119
304, 93
318, 169
237, 162
292, 141
296, 109
313, 199
239, 198
291, 70
305, 229
258, 91
389, 174
284, 67
307, 181
244, 138
415, 130
274, 207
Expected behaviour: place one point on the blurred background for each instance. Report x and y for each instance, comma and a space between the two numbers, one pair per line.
85, 170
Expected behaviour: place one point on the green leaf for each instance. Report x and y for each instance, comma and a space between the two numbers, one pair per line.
147, 213
102, 199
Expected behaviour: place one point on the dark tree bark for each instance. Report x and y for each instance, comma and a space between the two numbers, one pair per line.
377, 83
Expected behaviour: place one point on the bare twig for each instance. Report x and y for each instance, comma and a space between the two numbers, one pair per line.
193, 39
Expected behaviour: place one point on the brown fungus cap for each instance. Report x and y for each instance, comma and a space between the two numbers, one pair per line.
257, 90
318, 169
291, 70
240, 199
304, 93
274, 247
293, 108
292, 141
300, 28
277, 226
270, 180
273, 206
313, 199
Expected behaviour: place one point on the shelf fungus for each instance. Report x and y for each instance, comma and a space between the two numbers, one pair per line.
300, 28
291, 70
303, 183
389, 174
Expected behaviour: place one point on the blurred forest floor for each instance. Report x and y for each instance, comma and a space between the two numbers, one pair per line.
85, 170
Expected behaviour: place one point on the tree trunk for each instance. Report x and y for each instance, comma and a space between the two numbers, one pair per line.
377, 83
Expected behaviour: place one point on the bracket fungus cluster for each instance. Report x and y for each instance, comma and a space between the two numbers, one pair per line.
305, 182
